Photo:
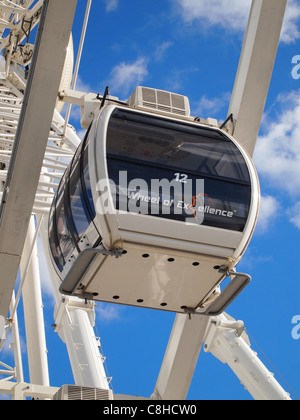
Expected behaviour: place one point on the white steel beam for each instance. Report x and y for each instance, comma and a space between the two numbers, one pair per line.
2, 325
74, 323
19, 391
16, 343
18, 27
31, 138
33, 311
225, 342
181, 357
255, 69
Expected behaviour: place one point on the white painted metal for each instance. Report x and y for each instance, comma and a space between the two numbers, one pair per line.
89, 103
76, 70
154, 283
9, 371
20, 391
67, 73
255, 69
82, 393
68, 140
88, 359
16, 343
224, 341
25, 166
2, 325
73, 323
12, 19
33, 311
150, 99
181, 358
60, 149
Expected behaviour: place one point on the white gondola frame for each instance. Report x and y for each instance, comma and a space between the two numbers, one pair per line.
145, 225
134, 232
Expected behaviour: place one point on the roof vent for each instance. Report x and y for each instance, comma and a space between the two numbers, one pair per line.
79, 393
160, 100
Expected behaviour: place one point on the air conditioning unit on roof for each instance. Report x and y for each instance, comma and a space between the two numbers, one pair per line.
80, 393
160, 100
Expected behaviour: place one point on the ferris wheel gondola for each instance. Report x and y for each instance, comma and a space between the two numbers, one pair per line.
153, 204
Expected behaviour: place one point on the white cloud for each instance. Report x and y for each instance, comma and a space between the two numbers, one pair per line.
290, 31
108, 312
82, 86
294, 214
126, 76
253, 258
230, 14
209, 107
277, 153
176, 77
162, 49
111, 5
268, 212
233, 15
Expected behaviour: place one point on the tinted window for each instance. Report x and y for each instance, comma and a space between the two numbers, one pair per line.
79, 214
59, 235
73, 210
152, 149
86, 184
175, 145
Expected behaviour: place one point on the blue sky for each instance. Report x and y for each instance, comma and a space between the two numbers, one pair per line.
192, 47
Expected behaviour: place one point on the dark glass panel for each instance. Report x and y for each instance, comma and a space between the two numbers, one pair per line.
157, 164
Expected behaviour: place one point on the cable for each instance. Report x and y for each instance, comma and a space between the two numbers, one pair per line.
273, 366
75, 76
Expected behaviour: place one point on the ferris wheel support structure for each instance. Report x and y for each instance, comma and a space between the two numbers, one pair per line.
255, 70
33, 310
32, 134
